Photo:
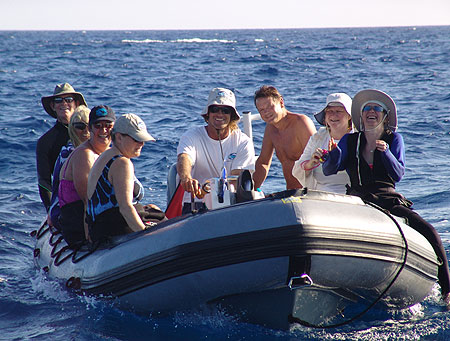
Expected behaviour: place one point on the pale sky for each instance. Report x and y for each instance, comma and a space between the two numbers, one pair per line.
216, 14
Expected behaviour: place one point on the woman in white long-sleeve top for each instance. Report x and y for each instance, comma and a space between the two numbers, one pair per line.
337, 121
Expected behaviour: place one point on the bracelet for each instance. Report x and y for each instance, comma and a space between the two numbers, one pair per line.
308, 169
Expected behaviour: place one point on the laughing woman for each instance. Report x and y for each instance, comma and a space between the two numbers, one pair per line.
74, 174
113, 189
374, 158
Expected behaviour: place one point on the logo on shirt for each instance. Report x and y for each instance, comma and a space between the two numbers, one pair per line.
231, 156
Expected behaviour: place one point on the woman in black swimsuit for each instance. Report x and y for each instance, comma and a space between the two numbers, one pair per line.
112, 185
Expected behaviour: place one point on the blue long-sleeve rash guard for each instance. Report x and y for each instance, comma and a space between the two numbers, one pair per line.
393, 158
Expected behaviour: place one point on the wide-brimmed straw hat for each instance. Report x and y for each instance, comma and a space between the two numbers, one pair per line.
61, 89
378, 97
132, 125
336, 99
222, 96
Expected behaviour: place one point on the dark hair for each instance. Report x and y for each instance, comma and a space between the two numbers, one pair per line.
267, 91
387, 129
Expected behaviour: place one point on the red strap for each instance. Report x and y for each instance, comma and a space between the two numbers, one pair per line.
176, 203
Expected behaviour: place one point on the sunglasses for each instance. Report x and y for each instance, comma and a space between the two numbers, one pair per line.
80, 125
215, 109
375, 108
132, 138
58, 100
103, 125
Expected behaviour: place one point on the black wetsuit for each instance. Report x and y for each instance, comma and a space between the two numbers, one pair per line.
376, 185
47, 150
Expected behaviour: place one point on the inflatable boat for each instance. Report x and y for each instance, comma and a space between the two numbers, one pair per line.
299, 256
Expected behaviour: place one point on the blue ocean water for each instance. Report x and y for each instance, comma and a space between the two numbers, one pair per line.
165, 77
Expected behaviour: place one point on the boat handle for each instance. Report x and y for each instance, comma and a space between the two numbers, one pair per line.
300, 281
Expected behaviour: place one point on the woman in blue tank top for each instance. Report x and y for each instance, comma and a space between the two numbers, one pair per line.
113, 189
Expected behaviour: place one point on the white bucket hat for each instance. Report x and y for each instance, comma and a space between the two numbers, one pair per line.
222, 96
132, 125
373, 96
337, 99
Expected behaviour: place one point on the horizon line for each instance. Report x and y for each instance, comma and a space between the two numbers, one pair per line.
218, 29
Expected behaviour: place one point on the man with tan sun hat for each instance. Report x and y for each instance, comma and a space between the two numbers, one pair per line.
203, 151
61, 106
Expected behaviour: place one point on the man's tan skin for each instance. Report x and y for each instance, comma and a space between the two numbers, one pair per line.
287, 133
65, 110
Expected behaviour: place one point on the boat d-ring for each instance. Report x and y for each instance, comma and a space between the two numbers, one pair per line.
297, 282
74, 283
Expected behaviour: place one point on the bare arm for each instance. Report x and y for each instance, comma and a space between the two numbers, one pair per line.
307, 129
81, 164
264, 161
184, 168
304, 129
121, 176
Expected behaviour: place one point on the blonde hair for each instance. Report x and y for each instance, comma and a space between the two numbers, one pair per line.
81, 114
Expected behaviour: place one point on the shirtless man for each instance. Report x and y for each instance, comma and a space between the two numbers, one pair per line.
286, 133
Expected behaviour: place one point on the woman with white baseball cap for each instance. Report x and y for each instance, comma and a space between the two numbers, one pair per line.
336, 121
113, 189
374, 158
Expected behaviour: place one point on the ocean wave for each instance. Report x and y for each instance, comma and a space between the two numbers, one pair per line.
144, 41
186, 40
